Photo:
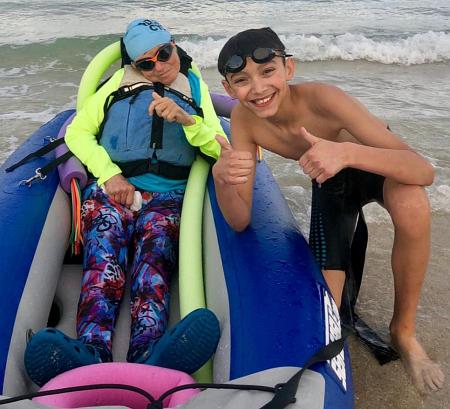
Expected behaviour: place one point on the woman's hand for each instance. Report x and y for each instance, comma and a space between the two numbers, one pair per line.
120, 190
168, 109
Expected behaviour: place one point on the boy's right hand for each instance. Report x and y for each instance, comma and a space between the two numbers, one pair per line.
120, 190
233, 166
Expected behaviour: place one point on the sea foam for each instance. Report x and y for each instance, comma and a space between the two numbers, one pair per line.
422, 48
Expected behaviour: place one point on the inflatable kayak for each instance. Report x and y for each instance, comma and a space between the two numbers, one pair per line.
272, 302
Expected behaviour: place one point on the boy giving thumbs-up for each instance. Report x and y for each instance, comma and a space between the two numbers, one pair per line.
352, 159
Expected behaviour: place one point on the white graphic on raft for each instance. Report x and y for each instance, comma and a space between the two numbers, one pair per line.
332, 333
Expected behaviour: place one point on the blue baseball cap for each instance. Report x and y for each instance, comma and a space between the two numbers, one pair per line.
142, 35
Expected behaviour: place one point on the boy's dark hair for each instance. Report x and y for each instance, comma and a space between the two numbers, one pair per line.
245, 42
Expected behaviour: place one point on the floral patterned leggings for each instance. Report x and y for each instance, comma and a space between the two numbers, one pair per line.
110, 230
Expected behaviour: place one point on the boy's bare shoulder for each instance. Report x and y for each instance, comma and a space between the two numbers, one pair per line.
243, 124
245, 119
239, 112
319, 96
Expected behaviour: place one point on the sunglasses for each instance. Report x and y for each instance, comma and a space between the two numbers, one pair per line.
237, 63
163, 54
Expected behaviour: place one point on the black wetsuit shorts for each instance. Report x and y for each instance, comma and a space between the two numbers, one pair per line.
334, 212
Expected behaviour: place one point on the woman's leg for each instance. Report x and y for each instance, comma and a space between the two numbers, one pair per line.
155, 258
107, 227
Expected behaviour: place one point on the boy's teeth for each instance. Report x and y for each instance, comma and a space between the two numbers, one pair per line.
262, 101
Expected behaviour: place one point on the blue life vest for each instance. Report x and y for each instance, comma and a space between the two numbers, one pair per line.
127, 130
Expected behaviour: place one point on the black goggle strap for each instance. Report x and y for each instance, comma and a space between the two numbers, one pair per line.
240, 61
269, 53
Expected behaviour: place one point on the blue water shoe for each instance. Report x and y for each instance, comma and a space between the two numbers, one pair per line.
188, 345
50, 353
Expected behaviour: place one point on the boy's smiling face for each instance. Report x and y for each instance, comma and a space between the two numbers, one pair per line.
261, 87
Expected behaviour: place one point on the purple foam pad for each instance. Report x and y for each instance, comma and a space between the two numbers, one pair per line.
72, 168
223, 104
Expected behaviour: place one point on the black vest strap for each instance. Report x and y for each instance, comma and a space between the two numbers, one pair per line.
156, 141
165, 169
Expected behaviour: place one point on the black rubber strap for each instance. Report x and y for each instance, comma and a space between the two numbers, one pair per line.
37, 154
135, 389
285, 393
54, 163
158, 403
156, 141
154, 403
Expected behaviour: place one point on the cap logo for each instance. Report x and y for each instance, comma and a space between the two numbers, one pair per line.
152, 25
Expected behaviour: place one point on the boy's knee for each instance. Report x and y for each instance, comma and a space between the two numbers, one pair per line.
408, 205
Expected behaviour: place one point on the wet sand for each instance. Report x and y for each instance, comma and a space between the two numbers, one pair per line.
388, 386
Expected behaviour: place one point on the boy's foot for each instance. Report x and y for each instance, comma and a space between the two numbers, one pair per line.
50, 353
188, 345
427, 375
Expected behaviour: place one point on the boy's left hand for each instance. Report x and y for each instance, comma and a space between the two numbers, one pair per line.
323, 159
168, 109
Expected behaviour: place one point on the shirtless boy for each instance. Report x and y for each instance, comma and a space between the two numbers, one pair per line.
352, 159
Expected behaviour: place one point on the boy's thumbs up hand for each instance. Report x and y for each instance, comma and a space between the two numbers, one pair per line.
323, 159
224, 144
309, 137
233, 166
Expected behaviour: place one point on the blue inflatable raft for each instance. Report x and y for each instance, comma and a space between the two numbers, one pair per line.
263, 284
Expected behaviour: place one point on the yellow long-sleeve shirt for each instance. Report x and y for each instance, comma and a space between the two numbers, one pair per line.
81, 134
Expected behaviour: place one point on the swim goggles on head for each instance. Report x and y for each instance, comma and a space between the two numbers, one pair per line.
237, 63
162, 54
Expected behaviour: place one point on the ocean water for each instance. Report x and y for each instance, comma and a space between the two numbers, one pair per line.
394, 56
